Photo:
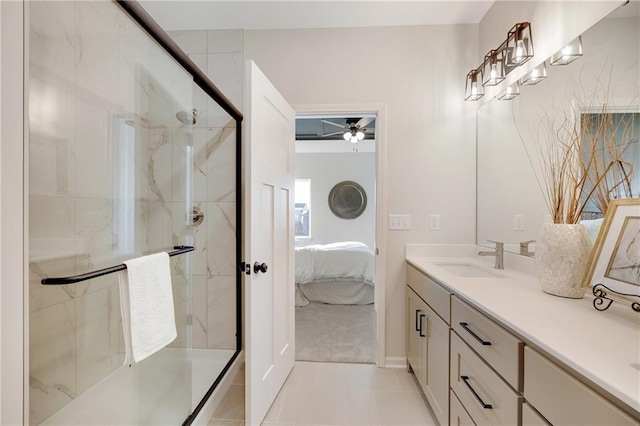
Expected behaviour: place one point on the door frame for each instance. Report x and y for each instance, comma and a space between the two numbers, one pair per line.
381, 203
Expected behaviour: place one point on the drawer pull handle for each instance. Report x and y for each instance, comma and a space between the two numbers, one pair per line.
417, 312
465, 379
421, 324
475, 336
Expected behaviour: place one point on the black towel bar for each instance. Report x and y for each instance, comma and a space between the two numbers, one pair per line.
100, 272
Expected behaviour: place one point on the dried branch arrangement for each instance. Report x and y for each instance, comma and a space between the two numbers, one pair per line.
581, 156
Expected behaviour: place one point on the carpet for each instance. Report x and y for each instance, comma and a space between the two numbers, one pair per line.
335, 333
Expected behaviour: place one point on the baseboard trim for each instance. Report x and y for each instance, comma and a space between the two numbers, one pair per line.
395, 362
214, 400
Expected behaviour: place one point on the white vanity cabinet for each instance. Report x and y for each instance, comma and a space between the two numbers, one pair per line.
483, 356
563, 400
428, 313
486, 367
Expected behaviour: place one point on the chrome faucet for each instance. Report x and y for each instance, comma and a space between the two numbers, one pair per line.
498, 253
524, 248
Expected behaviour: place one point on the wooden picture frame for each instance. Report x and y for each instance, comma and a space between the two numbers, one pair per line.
613, 273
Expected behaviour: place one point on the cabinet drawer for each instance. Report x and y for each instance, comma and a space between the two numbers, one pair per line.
531, 418
561, 399
437, 297
486, 397
458, 415
498, 347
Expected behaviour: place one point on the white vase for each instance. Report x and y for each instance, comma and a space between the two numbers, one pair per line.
562, 255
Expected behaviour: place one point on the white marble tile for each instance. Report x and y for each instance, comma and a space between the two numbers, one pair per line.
159, 226
221, 239
199, 303
221, 312
221, 165
159, 100
200, 164
97, 53
43, 296
99, 336
52, 40
190, 41
182, 308
134, 48
95, 229
225, 41
52, 217
226, 71
160, 163
218, 117
182, 164
52, 360
51, 140
94, 151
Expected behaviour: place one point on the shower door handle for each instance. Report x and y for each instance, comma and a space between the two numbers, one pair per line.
260, 267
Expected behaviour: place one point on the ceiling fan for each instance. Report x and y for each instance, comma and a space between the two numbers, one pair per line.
353, 130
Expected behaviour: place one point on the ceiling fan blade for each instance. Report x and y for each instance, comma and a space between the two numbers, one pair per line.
333, 134
342, 126
364, 121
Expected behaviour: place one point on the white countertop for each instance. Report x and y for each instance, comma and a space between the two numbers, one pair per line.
603, 347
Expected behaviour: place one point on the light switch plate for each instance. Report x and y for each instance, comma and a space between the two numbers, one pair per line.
400, 221
434, 222
518, 222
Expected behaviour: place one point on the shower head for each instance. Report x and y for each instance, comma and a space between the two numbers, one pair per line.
187, 118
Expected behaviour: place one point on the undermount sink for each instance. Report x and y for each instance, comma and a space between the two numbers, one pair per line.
468, 270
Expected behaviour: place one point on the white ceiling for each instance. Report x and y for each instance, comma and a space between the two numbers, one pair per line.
175, 15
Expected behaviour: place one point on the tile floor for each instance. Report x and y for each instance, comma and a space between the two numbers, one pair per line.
335, 394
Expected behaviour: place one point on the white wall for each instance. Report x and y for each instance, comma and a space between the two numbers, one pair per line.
419, 74
325, 171
11, 215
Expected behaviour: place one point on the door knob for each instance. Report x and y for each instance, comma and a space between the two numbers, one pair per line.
260, 267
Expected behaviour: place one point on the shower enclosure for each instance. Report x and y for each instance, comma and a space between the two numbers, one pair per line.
118, 121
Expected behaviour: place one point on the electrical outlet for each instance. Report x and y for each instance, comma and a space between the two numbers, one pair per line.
400, 221
434, 222
518, 222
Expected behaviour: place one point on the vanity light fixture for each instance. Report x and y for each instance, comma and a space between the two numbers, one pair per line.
569, 53
493, 68
519, 44
510, 92
513, 52
535, 76
474, 89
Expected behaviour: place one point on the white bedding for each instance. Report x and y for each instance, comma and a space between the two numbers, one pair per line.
340, 261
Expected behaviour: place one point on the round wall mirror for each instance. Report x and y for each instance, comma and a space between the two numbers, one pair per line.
347, 200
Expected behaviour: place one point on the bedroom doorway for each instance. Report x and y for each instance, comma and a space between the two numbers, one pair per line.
336, 211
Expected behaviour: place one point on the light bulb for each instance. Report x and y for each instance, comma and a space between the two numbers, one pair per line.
354, 139
359, 135
474, 88
494, 71
519, 54
347, 135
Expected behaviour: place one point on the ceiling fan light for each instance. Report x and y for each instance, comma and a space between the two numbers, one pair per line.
347, 135
359, 135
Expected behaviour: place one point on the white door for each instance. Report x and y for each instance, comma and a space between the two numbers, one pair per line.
268, 199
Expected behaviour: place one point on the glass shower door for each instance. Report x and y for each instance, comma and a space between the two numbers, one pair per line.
110, 154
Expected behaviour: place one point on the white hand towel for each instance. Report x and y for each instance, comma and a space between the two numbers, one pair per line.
146, 301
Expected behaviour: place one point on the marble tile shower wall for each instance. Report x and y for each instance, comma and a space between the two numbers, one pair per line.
220, 55
108, 162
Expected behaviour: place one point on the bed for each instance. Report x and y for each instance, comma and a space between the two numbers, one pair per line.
340, 273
